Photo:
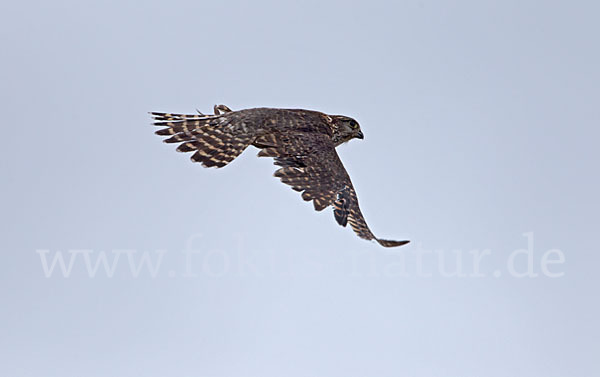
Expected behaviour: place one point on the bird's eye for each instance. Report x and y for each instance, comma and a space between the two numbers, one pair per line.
353, 124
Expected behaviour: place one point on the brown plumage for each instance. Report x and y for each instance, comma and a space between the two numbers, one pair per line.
302, 142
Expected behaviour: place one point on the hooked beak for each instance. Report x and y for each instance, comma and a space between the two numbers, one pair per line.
360, 135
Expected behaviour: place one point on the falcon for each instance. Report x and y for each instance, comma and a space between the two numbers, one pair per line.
302, 143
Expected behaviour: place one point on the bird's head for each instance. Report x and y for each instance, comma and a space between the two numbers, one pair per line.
345, 129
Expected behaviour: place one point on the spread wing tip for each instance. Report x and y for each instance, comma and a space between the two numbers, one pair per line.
391, 243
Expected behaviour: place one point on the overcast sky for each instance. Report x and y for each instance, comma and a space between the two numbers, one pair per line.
481, 139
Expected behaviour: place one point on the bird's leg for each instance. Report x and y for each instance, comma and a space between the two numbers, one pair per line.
221, 109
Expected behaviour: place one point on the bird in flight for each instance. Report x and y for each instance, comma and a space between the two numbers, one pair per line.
302, 143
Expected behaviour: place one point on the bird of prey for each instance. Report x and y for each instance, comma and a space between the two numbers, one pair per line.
302, 143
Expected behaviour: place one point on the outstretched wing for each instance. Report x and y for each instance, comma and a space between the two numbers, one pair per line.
310, 164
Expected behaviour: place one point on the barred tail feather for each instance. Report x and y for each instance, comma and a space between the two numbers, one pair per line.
218, 149
164, 117
213, 144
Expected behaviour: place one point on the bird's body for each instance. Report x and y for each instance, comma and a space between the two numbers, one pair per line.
302, 142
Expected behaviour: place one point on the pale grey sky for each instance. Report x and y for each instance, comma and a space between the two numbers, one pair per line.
481, 131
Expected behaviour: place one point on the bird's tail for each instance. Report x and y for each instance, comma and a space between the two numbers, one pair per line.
214, 143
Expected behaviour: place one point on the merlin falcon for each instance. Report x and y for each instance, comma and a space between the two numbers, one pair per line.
302, 143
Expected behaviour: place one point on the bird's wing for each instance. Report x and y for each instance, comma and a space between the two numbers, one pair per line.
309, 164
